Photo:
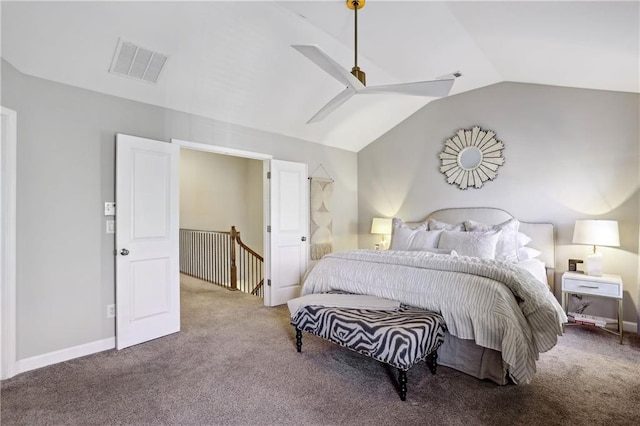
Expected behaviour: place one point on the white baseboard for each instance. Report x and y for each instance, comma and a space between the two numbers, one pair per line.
630, 327
62, 355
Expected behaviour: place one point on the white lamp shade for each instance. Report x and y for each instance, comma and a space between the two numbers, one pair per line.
596, 232
381, 225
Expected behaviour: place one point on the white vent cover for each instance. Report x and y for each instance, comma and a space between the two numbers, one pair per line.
137, 62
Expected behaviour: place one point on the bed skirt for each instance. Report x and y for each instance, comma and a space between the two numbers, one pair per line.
465, 356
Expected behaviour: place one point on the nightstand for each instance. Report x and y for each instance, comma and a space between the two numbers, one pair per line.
607, 286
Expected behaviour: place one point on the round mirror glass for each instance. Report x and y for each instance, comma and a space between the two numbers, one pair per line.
470, 158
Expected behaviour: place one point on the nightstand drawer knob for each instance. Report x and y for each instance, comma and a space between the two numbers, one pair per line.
589, 286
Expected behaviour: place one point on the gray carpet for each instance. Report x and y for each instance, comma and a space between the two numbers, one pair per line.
234, 362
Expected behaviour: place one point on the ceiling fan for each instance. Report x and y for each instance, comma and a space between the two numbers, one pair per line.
355, 81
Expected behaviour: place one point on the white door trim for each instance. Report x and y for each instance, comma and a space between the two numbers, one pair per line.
221, 150
8, 354
266, 159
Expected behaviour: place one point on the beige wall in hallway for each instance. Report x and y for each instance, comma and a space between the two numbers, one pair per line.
218, 191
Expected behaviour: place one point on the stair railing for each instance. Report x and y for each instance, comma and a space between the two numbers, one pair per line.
212, 256
249, 263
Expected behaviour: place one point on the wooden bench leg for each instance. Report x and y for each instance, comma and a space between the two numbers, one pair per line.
432, 363
298, 339
402, 378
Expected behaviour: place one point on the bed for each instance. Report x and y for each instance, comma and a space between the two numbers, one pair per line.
500, 312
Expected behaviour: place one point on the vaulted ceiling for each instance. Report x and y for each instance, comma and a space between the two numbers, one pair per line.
233, 61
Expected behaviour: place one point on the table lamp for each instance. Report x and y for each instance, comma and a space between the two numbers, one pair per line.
381, 226
595, 232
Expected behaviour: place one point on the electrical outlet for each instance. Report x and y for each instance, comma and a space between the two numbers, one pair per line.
111, 311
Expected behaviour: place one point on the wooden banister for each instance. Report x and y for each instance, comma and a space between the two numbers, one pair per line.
257, 288
213, 256
235, 236
246, 247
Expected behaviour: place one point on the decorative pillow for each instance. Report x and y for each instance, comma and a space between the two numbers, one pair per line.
526, 253
401, 234
507, 248
435, 225
523, 239
407, 238
474, 244
424, 240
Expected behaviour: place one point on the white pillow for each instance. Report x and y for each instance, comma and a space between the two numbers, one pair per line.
401, 234
474, 244
424, 240
435, 225
526, 253
507, 247
523, 239
405, 238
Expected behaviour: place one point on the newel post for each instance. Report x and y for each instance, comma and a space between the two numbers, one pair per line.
234, 269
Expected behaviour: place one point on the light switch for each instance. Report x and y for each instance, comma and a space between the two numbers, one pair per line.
110, 208
111, 226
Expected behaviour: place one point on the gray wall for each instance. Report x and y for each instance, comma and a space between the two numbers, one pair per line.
220, 191
570, 154
65, 172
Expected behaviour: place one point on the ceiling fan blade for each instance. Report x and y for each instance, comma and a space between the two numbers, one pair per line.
435, 88
331, 67
455, 74
332, 105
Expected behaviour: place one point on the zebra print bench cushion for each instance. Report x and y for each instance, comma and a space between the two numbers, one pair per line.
400, 338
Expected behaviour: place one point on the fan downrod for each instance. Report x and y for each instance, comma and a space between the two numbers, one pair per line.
355, 5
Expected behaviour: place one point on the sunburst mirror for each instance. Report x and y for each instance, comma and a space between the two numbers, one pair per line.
471, 157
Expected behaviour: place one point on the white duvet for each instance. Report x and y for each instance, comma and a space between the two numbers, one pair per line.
475, 297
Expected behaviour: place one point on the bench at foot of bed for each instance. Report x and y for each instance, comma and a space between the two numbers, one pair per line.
400, 337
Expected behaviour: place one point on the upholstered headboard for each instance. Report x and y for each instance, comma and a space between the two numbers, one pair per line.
542, 234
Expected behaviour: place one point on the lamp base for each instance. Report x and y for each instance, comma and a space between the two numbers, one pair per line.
594, 264
383, 244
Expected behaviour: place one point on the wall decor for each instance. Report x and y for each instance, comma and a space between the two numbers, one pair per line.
321, 223
471, 157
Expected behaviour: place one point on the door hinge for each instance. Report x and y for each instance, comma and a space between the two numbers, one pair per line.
268, 228
269, 283
268, 175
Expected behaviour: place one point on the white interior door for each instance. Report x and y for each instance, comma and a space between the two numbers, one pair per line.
147, 232
289, 218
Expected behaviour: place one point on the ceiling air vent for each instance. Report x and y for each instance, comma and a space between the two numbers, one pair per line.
137, 62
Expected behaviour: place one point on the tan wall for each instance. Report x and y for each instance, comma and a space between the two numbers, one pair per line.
218, 191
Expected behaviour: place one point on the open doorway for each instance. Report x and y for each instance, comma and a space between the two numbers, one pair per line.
250, 169
285, 225
221, 220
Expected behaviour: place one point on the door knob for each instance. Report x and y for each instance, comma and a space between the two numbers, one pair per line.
124, 252
303, 239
